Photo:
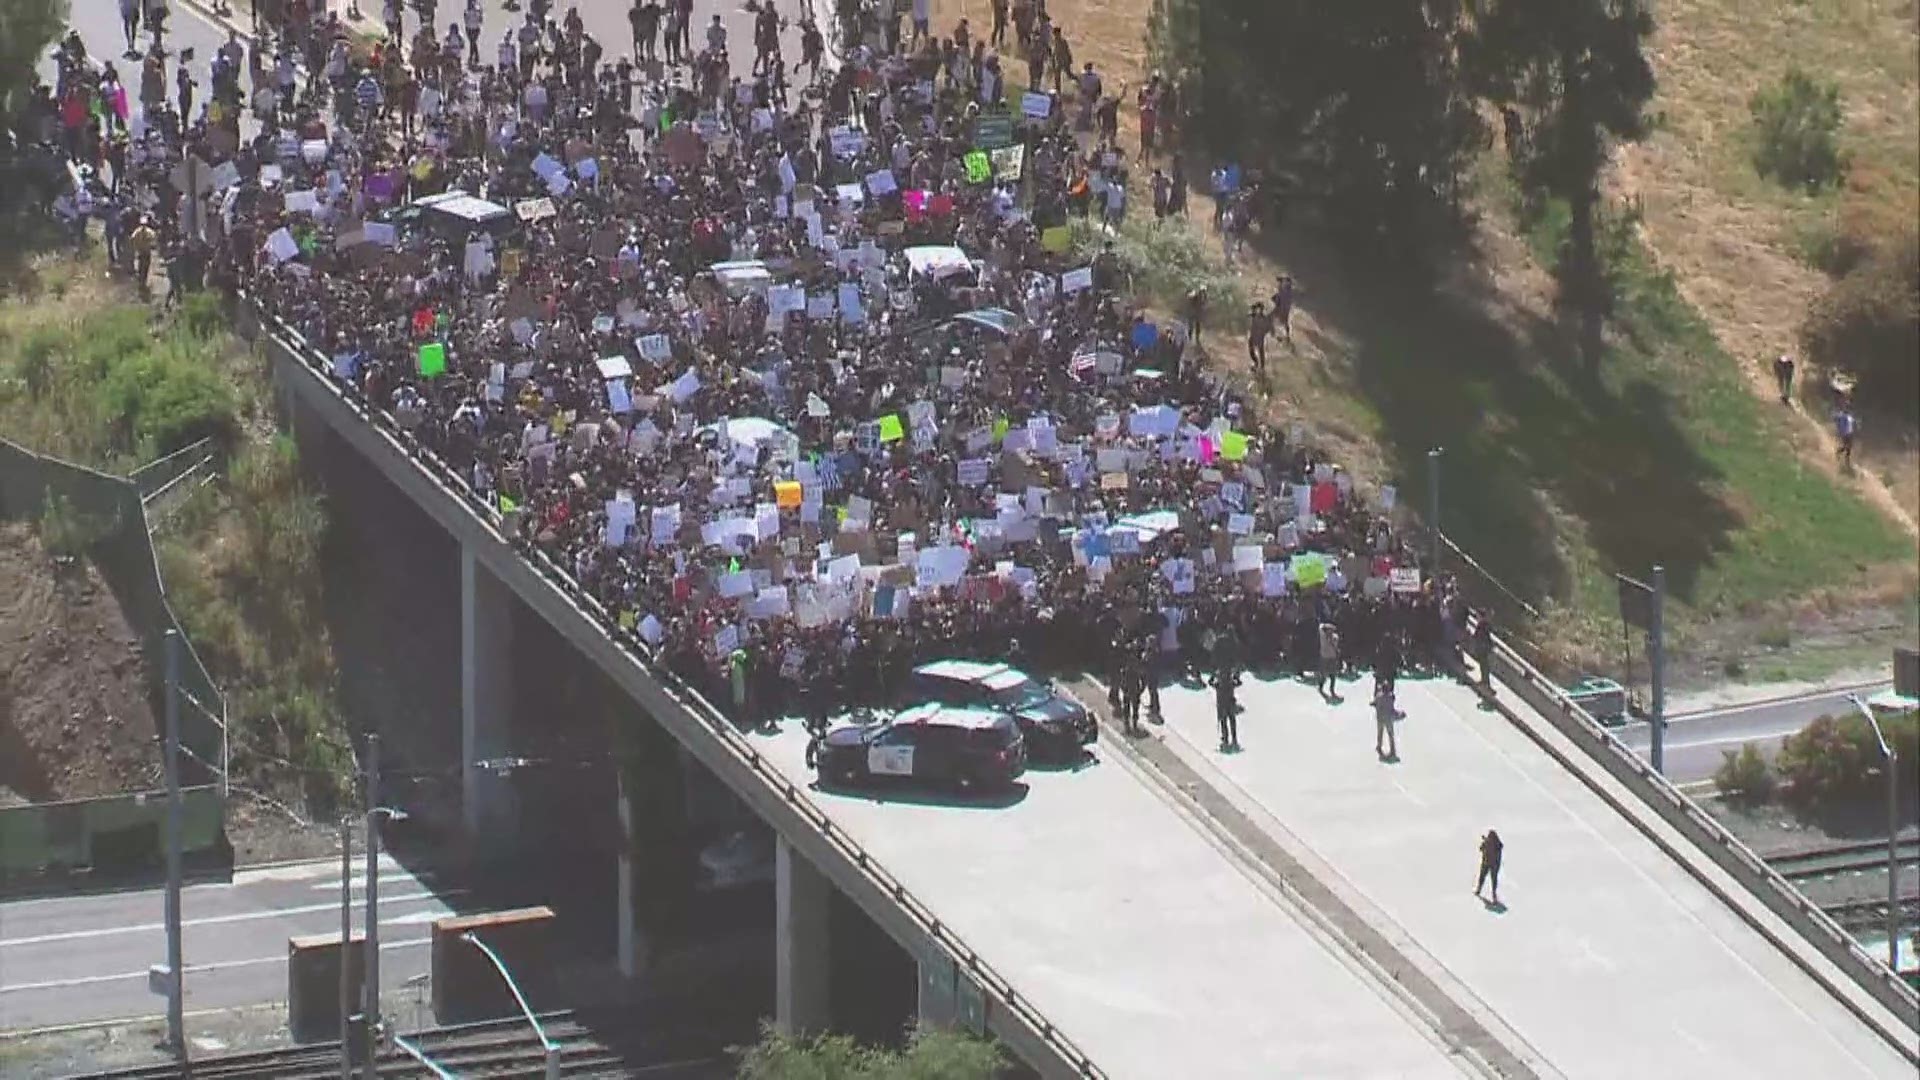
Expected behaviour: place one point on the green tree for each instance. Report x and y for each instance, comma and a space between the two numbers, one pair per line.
1576, 72
1796, 128
1360, 105
1744, 776
930, 1055
27, 29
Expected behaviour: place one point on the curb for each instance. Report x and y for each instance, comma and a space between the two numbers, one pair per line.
1761, 703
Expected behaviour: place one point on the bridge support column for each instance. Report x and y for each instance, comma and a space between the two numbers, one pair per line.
801, 897
486, 709
631, 941
939, 1007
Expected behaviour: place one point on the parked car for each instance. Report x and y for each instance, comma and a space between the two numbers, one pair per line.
933, 745
740, 857
1055, 725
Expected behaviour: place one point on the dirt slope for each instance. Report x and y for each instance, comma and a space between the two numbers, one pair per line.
75, 721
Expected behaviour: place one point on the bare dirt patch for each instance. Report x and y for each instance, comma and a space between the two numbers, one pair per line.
75, 718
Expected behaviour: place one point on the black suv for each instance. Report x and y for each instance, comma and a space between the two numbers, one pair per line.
1057, 727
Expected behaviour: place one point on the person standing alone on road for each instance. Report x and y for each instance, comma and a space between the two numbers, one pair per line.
1490, 852
1385, 745
1226, 708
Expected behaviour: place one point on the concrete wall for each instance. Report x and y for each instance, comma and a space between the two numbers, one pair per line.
67, 835
124, 556
115, 830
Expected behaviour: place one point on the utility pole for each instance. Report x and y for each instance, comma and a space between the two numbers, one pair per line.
1433, 502
1657, 656
346, 946
176, 1007
372, 965
1893, 832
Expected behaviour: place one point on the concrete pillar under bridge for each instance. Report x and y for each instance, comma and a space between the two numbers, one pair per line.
489, 811
803, 977
802, 992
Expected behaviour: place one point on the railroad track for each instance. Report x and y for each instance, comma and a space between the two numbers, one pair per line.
496, 1049
1844, 858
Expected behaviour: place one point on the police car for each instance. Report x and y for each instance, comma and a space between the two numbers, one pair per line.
1056, 726
938, 745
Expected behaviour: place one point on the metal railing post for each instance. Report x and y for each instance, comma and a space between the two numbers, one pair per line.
1893, 833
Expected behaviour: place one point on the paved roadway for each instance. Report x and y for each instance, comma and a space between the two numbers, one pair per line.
1695, 742
1149, 947
71, 960
192, 26
1610, 959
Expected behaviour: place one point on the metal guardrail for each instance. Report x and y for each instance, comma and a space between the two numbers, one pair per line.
1872, 975
160, 473
442, 475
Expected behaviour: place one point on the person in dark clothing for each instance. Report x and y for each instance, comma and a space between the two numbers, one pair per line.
1386, 660
1259, 329
1226, 707
1483, 652
1491, 850
1283, 307
1130, 683
1783, 375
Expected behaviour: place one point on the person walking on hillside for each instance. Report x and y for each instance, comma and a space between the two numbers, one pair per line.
1491, 849
1283, 307
1846, 427
1783, 377
1259, 329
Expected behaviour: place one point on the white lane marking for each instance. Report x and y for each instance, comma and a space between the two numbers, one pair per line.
192, 969
216, 920
308, 871
1749, 737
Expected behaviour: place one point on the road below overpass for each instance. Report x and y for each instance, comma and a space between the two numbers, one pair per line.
78, 959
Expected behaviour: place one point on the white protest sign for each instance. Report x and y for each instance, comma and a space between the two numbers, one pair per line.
282, 246
685, 386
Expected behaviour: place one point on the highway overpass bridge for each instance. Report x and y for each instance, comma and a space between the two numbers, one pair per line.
1169, 912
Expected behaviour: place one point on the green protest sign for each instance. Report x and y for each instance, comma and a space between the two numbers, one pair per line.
979, 167
433, 359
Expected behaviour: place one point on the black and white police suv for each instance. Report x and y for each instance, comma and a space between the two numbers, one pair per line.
930, 745
1056, 726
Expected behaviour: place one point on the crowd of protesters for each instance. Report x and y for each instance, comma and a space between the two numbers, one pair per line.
720, 361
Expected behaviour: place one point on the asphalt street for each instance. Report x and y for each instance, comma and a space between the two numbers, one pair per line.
1695, 742
192, 26
72, 960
